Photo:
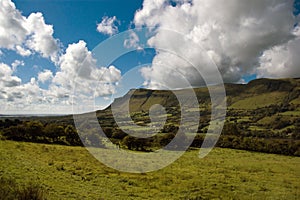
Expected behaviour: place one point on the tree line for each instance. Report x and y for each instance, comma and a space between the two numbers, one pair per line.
233, 136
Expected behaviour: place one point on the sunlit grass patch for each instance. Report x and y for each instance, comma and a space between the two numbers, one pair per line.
73, 173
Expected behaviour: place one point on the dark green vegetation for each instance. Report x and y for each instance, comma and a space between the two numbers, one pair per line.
66, 172
263, 116
40, 131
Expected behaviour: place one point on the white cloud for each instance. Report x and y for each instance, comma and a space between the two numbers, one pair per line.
23, 52
132, 41
76, 68
16, 64
78, 71
26, 34
78, 60
7, 80
234, 33
17, 97
5, 70
281, 61
44, 76
12, 25
41, 38
108, 25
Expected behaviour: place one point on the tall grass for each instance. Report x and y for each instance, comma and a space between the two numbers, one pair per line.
10, 190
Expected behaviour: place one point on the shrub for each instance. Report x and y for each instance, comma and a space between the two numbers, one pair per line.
9, 190
31, 192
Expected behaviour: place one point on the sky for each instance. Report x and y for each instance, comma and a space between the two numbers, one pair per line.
47, 48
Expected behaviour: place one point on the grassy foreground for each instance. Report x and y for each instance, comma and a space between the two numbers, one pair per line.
72, 173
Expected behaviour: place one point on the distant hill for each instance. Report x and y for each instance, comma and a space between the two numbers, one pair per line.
256, 94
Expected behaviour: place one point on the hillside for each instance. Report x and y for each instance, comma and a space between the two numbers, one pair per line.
256, 94
264, 111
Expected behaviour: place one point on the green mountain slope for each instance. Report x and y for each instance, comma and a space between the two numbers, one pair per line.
256, 94
262, 115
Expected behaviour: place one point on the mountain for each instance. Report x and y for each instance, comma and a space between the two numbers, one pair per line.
263, 115
256, 94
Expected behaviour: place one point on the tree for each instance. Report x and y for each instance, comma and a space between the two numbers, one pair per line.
54, 132
93, 139
33, 130
15, 133
230, 129
166, 139
198, 140
129, 142
108, 131
118, 134
72, 136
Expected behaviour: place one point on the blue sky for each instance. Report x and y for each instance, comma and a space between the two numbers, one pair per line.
73, 21
41, 54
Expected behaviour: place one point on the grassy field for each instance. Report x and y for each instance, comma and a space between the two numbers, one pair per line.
258, 101
72, 173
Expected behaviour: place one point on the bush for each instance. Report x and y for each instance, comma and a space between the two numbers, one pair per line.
9, 190
2, 136
118, 134
31, 192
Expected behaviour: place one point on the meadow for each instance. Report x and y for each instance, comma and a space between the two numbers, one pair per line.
66, 172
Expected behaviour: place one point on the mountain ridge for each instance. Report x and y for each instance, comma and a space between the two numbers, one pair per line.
141, 99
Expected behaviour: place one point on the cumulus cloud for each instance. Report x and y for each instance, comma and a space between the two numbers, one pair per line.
78, 70
41, 37
22, 51
44, 76
12, 88
108, 25
7, 79
16, 64
281, 61
17, 97
26, 35
77, 60
132, 41
76, 67
233, 33
12, 25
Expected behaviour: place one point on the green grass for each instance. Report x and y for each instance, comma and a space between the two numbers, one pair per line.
291, 113
72, 173
296, 101
272, 119
256, 128
244, 119
259, 101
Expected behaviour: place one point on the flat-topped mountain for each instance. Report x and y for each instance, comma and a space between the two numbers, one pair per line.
256, 94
